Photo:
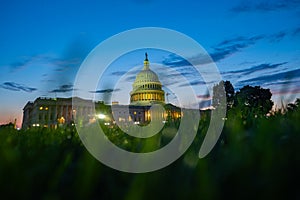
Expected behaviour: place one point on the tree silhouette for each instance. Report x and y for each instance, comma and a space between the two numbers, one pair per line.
229, 94
218, 94
253, 101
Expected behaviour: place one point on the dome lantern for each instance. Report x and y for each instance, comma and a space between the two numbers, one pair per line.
146, 62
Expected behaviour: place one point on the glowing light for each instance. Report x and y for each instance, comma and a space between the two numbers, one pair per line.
61, 120
101, 116
41, 108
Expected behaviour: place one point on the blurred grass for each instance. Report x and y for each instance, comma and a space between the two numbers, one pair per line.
253, 159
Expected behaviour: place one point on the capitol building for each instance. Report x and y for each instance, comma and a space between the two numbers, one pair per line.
146, 91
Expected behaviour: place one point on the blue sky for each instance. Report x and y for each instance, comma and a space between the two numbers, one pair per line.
44, 42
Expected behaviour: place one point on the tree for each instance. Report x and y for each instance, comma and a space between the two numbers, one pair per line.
222, 90
229, 94
253, 101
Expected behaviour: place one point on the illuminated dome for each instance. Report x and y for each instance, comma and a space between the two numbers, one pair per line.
147, 88
146, 76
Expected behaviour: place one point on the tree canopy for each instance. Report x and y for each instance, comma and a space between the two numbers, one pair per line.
252, 101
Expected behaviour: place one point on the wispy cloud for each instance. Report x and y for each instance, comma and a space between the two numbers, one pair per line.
105, 91
174, 60
296, 31
17, 87
234, 45
62, 65
256, 68
220, 51
44, 60
265, 6
118, 73
277, 37
26, 61
227, 48
63, 89
273, 78
193, 82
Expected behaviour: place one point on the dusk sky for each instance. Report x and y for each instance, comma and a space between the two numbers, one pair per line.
43, 43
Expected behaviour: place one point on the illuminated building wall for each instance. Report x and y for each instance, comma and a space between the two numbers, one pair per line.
53, 112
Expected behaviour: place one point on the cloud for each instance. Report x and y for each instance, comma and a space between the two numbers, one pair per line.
19, 64
63, 65
221, 51
177, 61
256, 68
227, 48
266, 6
17, 87
277, 37
130, 78
44, 60
63, 89
296, 31
26, 61
105, 91
238, 39
121, 73
234, 45
273, 78
286, 90
118, 73
174, 60
194, 82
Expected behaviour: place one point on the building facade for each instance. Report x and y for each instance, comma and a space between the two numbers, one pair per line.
53, 112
